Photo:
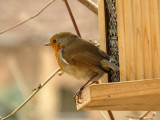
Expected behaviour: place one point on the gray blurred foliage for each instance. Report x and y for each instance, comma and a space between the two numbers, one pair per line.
10, 99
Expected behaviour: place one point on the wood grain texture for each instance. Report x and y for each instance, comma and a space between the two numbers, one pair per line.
121, 39
159, 10
129, 41
128, 95
139, 38
146, 37
102, 24
138, 43
155, 37
102, 30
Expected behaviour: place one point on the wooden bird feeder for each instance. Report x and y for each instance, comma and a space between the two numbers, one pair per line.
139, 58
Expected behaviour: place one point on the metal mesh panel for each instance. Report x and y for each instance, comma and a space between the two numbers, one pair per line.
112, 37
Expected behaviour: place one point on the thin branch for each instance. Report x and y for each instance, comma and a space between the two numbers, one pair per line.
90, 5
29, 18
111, 115
31, 96
142, 118
72, 18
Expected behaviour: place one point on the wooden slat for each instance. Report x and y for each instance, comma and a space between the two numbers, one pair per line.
137, 36
129, 41
121, 39
155, 37
102, 24
159, 11
128, 95
102, 30
147, 48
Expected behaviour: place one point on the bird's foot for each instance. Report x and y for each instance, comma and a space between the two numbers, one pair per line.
78, 96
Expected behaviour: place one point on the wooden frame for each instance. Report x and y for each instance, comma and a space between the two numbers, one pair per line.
102, 31
128, 95
139, 57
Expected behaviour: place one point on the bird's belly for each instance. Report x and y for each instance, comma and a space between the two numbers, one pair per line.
84, 73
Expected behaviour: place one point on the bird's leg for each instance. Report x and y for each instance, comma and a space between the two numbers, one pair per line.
93, 82
78, 94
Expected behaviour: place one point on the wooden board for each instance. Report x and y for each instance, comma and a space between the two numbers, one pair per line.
155, 36
128, 95
102, 24
138, 43
139, 39
121, 40
102, 30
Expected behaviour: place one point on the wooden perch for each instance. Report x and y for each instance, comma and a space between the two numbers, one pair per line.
130, 95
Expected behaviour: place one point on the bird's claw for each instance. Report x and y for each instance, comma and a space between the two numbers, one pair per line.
78, 96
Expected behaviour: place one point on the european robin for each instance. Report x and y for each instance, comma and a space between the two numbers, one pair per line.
80, 58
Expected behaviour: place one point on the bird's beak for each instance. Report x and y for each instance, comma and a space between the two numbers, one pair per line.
47, 44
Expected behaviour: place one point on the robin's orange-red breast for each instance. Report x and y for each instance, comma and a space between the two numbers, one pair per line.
80, 58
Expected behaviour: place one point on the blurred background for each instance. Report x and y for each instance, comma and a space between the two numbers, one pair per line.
25, 62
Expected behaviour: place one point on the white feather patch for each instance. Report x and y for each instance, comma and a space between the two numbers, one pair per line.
61, 56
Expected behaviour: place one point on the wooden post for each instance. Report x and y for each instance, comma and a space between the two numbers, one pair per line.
146, 37
128, 26
155, 37
121, 40
102, 30
138, 43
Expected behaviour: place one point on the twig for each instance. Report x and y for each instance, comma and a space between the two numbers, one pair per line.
142, 118
29, 18
31, 96
110, 115
146, 116
72, 18
90, 5
103, 115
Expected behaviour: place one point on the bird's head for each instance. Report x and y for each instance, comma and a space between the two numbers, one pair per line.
60, 40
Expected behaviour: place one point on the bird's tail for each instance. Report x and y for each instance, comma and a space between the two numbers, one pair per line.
106, 64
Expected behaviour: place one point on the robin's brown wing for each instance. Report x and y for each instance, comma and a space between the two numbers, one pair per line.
82, 52
86, 58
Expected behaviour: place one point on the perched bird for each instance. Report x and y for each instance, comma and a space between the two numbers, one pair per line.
80, 58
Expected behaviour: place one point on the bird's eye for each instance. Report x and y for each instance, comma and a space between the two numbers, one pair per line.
54, 41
